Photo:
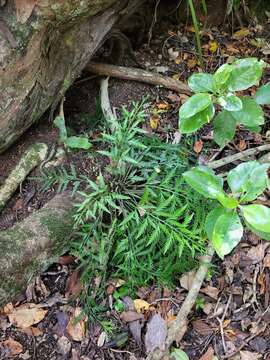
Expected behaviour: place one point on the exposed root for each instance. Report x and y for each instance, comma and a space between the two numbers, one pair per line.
130, 73
31, 158
178, 327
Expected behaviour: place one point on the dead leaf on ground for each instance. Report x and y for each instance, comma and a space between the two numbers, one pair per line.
266, 261
12, 346
24, 9
156, 333
192, 63
73, 286
186, 279
63, 346
31, 331
210, 291
213, 46
154, 122
242, 145
240, 34
26, 315
256, 253
202, 328
129, 316
77, 325
248, 355
141, 305
198, 145
66, 259
209, 355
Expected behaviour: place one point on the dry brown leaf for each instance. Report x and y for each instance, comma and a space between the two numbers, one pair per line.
77, 325
14, 347
240, 34
66, 259
26, 315
202, 328
154, 122
156, 333
231, 49
248, 355
213, 46
266, 261
261, 282
191, 63
256, 253
210, 291
186, 279
31, 331
73, 285
209, 355
141, 305
198, 145
24, 9
129, 316
163, 106
242, 145
8, 308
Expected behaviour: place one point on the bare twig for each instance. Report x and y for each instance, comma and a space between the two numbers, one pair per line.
222, 335
178, 327
239, 156
245, 343
130, 73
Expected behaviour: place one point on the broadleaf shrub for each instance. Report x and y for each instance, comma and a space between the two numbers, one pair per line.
224, 223
220, 90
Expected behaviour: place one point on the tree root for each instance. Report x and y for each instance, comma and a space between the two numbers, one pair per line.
32, 157
239, 156
130, 73
31, 245
178, 327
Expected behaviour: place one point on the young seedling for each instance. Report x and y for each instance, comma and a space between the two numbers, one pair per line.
224, 224
220, 89
70, 142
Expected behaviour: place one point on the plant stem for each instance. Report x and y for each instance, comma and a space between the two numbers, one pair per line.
197, 31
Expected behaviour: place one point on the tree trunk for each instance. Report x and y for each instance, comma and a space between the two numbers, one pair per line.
30, 246
44, 45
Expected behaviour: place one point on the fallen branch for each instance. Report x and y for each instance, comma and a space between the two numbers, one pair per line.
105, 103
30, 246
130, 73
31, 158
239, 156
178, 327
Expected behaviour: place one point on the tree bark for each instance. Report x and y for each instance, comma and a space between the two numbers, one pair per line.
44, 46
30, 246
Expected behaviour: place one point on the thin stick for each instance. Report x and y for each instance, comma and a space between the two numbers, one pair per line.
239, 156
130, 73
179, 325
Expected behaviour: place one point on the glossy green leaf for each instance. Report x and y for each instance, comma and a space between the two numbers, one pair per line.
194, 105
262, 235
251, 114
230, 102
205, 182
178, 354
227, 233
258, 216
248, 178
201, 82
59, 122
245, 73
211, 220
262, 95
192, 124
227, 201
224, 128
221, 77
76, 142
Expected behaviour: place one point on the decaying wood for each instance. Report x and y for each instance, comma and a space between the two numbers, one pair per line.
130, 73
239, 156
178, 327
44, 46
30, 159
31, 245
